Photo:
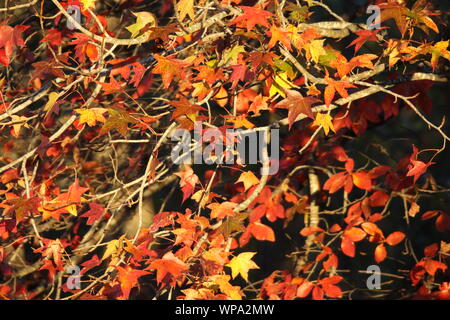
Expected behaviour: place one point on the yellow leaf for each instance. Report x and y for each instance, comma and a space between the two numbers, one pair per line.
91, 116
324, 120
185, 8
143, 19
52, 98
114, 248
88, 4
241, 264
316, 49
230, 56
249, 179
280, 81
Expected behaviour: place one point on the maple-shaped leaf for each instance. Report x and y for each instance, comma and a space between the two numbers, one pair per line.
258, 57
222, 210
363, 37
242, 264
279, 35
238, 74
336, 85
416, 167
91, 263
169, 68
184, 107
185, 8
88, 4
119, 119
406, 18
10, 37
113, 86
94, 213
248, 179
22, 207
324, 120
251, 17
168, 269
84, 47
240, 121
66, 202
91, 116
128, 278
296, 105
188, 181
437, 50
143, 19
162, 33
396, 11
344, 67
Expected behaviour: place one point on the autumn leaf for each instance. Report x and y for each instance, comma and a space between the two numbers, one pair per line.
128, 278
91, 116
437, 50
242, 264
363, 37
324, 120
315, 49
251, 17
333, 86
185, 8
184, 107
88, 4
395, 238
416, 167
297, 104
362, 180
169, 68
119, 120
279, 35
168, 269
143, 19
222, 210
9, 38
380, 253
94, 213
248, 179
261, 231
188, 181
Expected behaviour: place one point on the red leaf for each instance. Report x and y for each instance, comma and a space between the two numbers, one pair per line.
96, 211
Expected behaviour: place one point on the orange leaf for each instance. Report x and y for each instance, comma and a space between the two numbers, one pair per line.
380, 253
395, 238
261, 232
354, 234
